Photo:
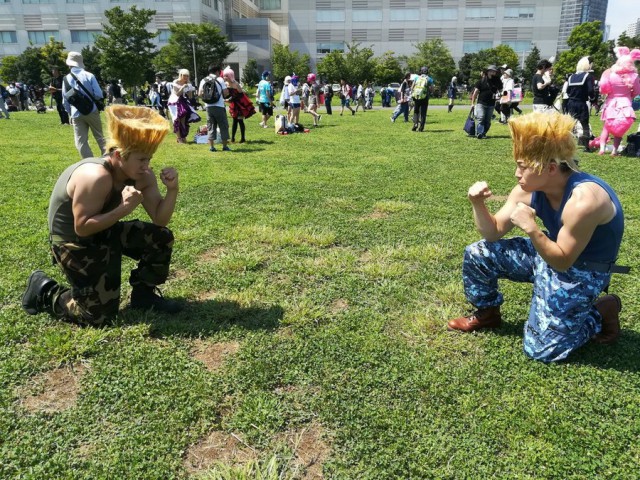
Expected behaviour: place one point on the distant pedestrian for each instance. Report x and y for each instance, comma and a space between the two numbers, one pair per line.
420, 92
345, 97
213, 91
452, 92
265, 98
482, 99
328, 96
55, 89
240, 106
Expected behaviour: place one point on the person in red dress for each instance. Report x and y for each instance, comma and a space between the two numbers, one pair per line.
240, 106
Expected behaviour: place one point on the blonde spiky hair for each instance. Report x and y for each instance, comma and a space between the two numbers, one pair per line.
542, 138
135, 129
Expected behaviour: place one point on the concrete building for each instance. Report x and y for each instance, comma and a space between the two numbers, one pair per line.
633, 30
316, 27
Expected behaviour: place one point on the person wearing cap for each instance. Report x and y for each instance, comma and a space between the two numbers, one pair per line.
55, 89
482, 99
569, 262
265, 98
420, 92
91, 121
88, 235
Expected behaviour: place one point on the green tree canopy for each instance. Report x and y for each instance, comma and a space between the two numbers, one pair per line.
285, 62
465, 67
500, 55
387, 69
211, 48
125, 45
531, 65
250, 75
436, 55
53, 55
9, 69
332, 66
625, 40
585, 40
30, 66
91, 57
359, 63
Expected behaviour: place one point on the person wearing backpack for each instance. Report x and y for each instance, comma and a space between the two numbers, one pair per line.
213, 91
420, 92
82, 84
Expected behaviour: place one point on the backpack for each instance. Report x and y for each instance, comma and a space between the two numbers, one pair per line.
3, 92
420, 89
211, 90
81, 102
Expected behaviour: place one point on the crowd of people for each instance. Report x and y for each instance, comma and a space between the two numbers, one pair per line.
570, 262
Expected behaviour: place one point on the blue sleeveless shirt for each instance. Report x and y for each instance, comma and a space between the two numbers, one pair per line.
605, 242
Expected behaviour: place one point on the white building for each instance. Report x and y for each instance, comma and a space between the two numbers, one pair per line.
633, 30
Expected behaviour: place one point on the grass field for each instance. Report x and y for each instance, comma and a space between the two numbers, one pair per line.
319, 271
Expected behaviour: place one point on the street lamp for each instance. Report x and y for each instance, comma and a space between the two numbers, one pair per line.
193, 37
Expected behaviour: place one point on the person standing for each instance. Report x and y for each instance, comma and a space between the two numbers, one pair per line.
345, 96
240, 107
420, 92
579, 92
181, 110
541, 87
3, 106
359, 97
213, 91
314, 94
505, 98
452, 92
88, 235
265, 98
294, 99
482, 99
328, 96
55, 89
82, 123
569, 264
403, 103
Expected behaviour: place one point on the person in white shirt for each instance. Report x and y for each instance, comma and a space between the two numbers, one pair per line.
216, 111
181, 110
294, 99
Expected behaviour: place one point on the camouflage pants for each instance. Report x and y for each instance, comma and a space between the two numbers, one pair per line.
561, 316
93, 269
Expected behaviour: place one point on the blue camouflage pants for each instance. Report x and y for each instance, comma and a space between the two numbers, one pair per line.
561, 317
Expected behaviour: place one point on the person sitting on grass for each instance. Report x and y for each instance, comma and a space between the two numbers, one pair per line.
569, 265
88, 236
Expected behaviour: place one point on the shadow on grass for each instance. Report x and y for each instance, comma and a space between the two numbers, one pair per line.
258, 142
203, 318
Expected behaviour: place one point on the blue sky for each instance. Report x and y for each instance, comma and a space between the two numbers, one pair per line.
621, 13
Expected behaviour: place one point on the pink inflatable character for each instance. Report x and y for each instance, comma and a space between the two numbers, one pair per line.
621, 84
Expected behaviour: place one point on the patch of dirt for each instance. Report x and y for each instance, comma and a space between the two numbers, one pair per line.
218, 447
177, 275
339, 305
375, 215
208, 295
53, 391
310, 450
212, 255
213, 355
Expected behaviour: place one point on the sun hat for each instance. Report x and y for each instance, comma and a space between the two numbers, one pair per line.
74, 59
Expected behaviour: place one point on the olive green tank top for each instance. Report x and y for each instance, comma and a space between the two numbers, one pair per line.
61, 220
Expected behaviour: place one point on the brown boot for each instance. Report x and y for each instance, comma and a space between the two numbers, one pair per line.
481, 318
609, 307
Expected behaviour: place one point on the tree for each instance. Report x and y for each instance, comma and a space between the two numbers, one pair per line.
625, 40
500, 55
286, 62
91, 57
9, 69
250, 74
30, 66
332, 66
53, 55
465, 67
436, 55
387, 69
125, 45
211, 48
585, 40
359, 63
531, 65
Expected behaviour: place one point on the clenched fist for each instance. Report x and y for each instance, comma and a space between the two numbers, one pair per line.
524, 217
131, 198
169, 176
478, 192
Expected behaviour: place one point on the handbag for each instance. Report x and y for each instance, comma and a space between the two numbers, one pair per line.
470, 124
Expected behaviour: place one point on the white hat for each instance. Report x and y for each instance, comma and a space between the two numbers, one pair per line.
509, 72
74, 59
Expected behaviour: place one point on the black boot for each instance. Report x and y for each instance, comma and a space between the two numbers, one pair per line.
36, 298
584, 141
146, 298
450, 108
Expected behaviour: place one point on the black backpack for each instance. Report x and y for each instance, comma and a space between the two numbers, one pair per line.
211, 90
82, 103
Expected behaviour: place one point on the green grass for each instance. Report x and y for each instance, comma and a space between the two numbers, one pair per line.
333, 260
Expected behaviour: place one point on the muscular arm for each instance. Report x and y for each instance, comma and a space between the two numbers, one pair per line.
159, 209
494, 227
89, 187
588, 207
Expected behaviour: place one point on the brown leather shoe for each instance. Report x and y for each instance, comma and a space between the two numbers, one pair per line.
481, 318
609, 307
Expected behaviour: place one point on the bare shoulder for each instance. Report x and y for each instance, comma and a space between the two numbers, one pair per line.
518, 195
590, 199
90, 176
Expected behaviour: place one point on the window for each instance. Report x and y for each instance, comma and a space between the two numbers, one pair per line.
367, 15
404, 14
38, 1
8, 37
206, 2
330, 16
163, 35
84, 36
442, 14
42, 37
519, 46
270, 4
330, 47
82, 1
481, 12
476, 46
519, 12
216, 7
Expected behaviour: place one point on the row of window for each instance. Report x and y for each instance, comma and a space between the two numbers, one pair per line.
467, 46
77, 36
413, 14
